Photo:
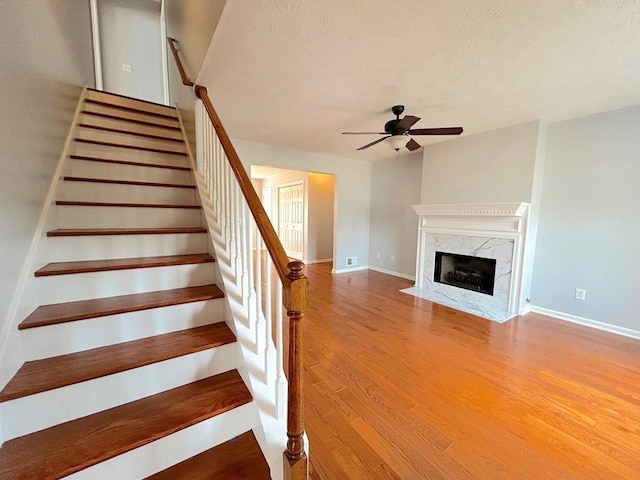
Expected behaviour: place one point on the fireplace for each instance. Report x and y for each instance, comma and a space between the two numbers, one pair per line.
463, 271
478, 247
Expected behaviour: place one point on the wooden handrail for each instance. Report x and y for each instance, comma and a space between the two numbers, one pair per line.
183, 74
295, 287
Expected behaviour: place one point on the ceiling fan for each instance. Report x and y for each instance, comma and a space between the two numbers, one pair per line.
398, 132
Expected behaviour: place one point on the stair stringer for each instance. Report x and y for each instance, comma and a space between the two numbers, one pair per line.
248, 324
12, 354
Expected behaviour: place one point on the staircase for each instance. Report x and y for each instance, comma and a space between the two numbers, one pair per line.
132, 365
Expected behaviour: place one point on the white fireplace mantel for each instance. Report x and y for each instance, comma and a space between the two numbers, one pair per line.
473, 209
505, 223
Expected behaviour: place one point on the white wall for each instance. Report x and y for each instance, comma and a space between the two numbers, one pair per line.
590, 221
46, 56
495, 166
130, 33
395, 185
352, 185
192, 23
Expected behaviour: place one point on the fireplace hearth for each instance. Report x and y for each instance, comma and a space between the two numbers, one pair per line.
463, 271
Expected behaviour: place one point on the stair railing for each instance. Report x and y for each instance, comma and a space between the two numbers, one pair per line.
233, 201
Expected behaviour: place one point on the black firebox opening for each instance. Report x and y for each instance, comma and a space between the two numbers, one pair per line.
473, 273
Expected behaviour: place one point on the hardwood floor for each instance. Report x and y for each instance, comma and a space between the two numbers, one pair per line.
399, 388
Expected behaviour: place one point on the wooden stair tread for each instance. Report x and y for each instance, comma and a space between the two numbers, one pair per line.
132, 120
74, 203
238, 459
132, 147
102, 307
80, 232
129, 132
41, 375
127, 182
129, 162
70, 447
129, 109
139, 100
86, 266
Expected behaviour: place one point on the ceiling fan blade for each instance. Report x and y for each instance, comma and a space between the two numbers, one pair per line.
413, 145
436, 131
365, 133
406, 123
373, 143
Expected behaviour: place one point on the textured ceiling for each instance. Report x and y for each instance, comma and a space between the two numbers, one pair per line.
296, 73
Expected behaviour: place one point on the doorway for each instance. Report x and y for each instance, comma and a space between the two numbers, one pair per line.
300, 206
130, 37
291, 224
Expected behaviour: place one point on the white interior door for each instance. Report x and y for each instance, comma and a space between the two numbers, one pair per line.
291, 218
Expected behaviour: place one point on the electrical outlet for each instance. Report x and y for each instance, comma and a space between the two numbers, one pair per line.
393, 257
378, 255
126, 67
580, 294
352, 261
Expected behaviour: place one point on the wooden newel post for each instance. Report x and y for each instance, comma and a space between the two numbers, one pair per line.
296, 300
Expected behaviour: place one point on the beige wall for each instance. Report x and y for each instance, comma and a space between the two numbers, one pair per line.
46, 57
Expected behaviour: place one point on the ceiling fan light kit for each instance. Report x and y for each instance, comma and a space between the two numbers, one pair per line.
398, 131
396, 142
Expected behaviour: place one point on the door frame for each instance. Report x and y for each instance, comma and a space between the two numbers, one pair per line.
305, 211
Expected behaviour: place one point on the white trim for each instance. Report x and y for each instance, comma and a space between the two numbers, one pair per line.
321, 260
95, 36
525, 310
394, 273
27, 267
587, 322
164, 53
349, 270
512, 209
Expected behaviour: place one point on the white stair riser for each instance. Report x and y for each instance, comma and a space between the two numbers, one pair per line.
114, 171
120, 153
85, 286
70, 337
99, 121
165, 452
111, 192
132, 140
118, 112
36, 412
71, 216
130, 102
102, 247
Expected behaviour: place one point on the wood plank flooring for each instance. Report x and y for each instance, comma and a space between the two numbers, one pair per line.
397, 387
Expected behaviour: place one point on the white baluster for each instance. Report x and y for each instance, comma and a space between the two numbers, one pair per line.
268, 349
258, 270
251, 312
281, 384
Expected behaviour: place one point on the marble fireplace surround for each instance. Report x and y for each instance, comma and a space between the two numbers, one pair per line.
496, 230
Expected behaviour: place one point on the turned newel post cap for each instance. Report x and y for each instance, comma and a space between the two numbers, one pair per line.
296, 296
295, 270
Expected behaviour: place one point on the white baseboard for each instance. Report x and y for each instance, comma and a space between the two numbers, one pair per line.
394, 273
627, 332
524, 310
322, 260
349, 270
